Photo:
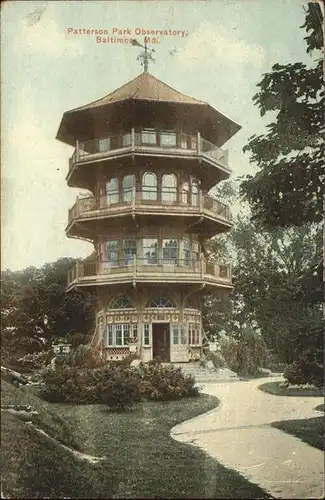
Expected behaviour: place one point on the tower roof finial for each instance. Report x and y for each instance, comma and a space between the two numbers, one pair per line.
146, 55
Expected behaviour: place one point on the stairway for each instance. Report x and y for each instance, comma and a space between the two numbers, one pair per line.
205, 375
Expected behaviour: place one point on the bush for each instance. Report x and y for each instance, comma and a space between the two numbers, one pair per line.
83, 356
165, 382
305, 371
116, 385
68, 384
119, 386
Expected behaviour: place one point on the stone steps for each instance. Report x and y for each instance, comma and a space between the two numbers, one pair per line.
204, 375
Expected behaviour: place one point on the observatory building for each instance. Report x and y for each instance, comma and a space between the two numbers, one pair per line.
148, 156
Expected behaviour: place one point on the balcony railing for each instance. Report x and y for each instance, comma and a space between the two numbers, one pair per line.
134, 267
149, 140
166, 201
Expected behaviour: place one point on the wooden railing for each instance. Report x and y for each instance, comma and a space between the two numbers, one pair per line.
85, 207
138, 267
148, 139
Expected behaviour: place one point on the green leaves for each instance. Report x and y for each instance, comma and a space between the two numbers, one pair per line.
287, 190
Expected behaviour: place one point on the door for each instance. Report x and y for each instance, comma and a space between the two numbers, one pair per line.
161, 342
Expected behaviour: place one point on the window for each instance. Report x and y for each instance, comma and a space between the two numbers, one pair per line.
112, 195
168, 138
129, 250
104, 144
185, 192
149, 186
193, 334
169, 188
149, 136
178, 334
150, 251
186, 252
126, 140
147, 334
170, 251
160, 302
121, 302
118, 335
128, 188
195, 192
112, 253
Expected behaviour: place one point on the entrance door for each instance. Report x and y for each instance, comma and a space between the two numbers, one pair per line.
161, 341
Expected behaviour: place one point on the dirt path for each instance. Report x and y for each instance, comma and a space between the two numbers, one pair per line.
238, 434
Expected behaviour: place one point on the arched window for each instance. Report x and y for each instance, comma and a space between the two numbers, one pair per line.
185, 192
120, 302
169, 188
149, 186
112, 195
160, 302
195, 192
128, 188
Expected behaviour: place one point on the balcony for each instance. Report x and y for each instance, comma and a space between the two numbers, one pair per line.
150, 142
150, 270
132, 202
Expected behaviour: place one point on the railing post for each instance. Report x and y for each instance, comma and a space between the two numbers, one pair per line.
77, 270
132, 139
134, 266
77, 150
134, 194
203, 264
198, 143
77, 207
201, 200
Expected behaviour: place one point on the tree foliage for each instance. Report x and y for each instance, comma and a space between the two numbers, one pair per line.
35, 308
288, 188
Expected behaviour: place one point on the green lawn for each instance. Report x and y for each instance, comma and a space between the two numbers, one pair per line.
143, 461
277, 389
310, 430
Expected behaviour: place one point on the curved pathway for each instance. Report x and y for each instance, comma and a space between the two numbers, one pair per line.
238, 434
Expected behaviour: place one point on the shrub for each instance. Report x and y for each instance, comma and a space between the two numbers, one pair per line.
84, 356
118, 386
305, 371
69, 384
165, 382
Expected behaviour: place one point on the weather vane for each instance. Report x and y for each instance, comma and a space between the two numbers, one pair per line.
145, 56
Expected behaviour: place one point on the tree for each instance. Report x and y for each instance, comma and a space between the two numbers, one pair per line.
35, 308
287, 192
288, 189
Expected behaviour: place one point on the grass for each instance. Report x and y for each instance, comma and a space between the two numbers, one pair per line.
310, 430
278, 389
143, 461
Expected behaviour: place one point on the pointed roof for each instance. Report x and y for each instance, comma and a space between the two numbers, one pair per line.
216, 126
144, 87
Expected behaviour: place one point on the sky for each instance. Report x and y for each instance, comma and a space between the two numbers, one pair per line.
46, 71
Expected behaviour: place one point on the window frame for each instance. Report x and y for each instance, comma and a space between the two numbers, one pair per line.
149, 192
194, 334
169, 191
170, 260
123, 328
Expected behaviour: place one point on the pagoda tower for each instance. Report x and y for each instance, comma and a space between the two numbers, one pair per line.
148, 156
